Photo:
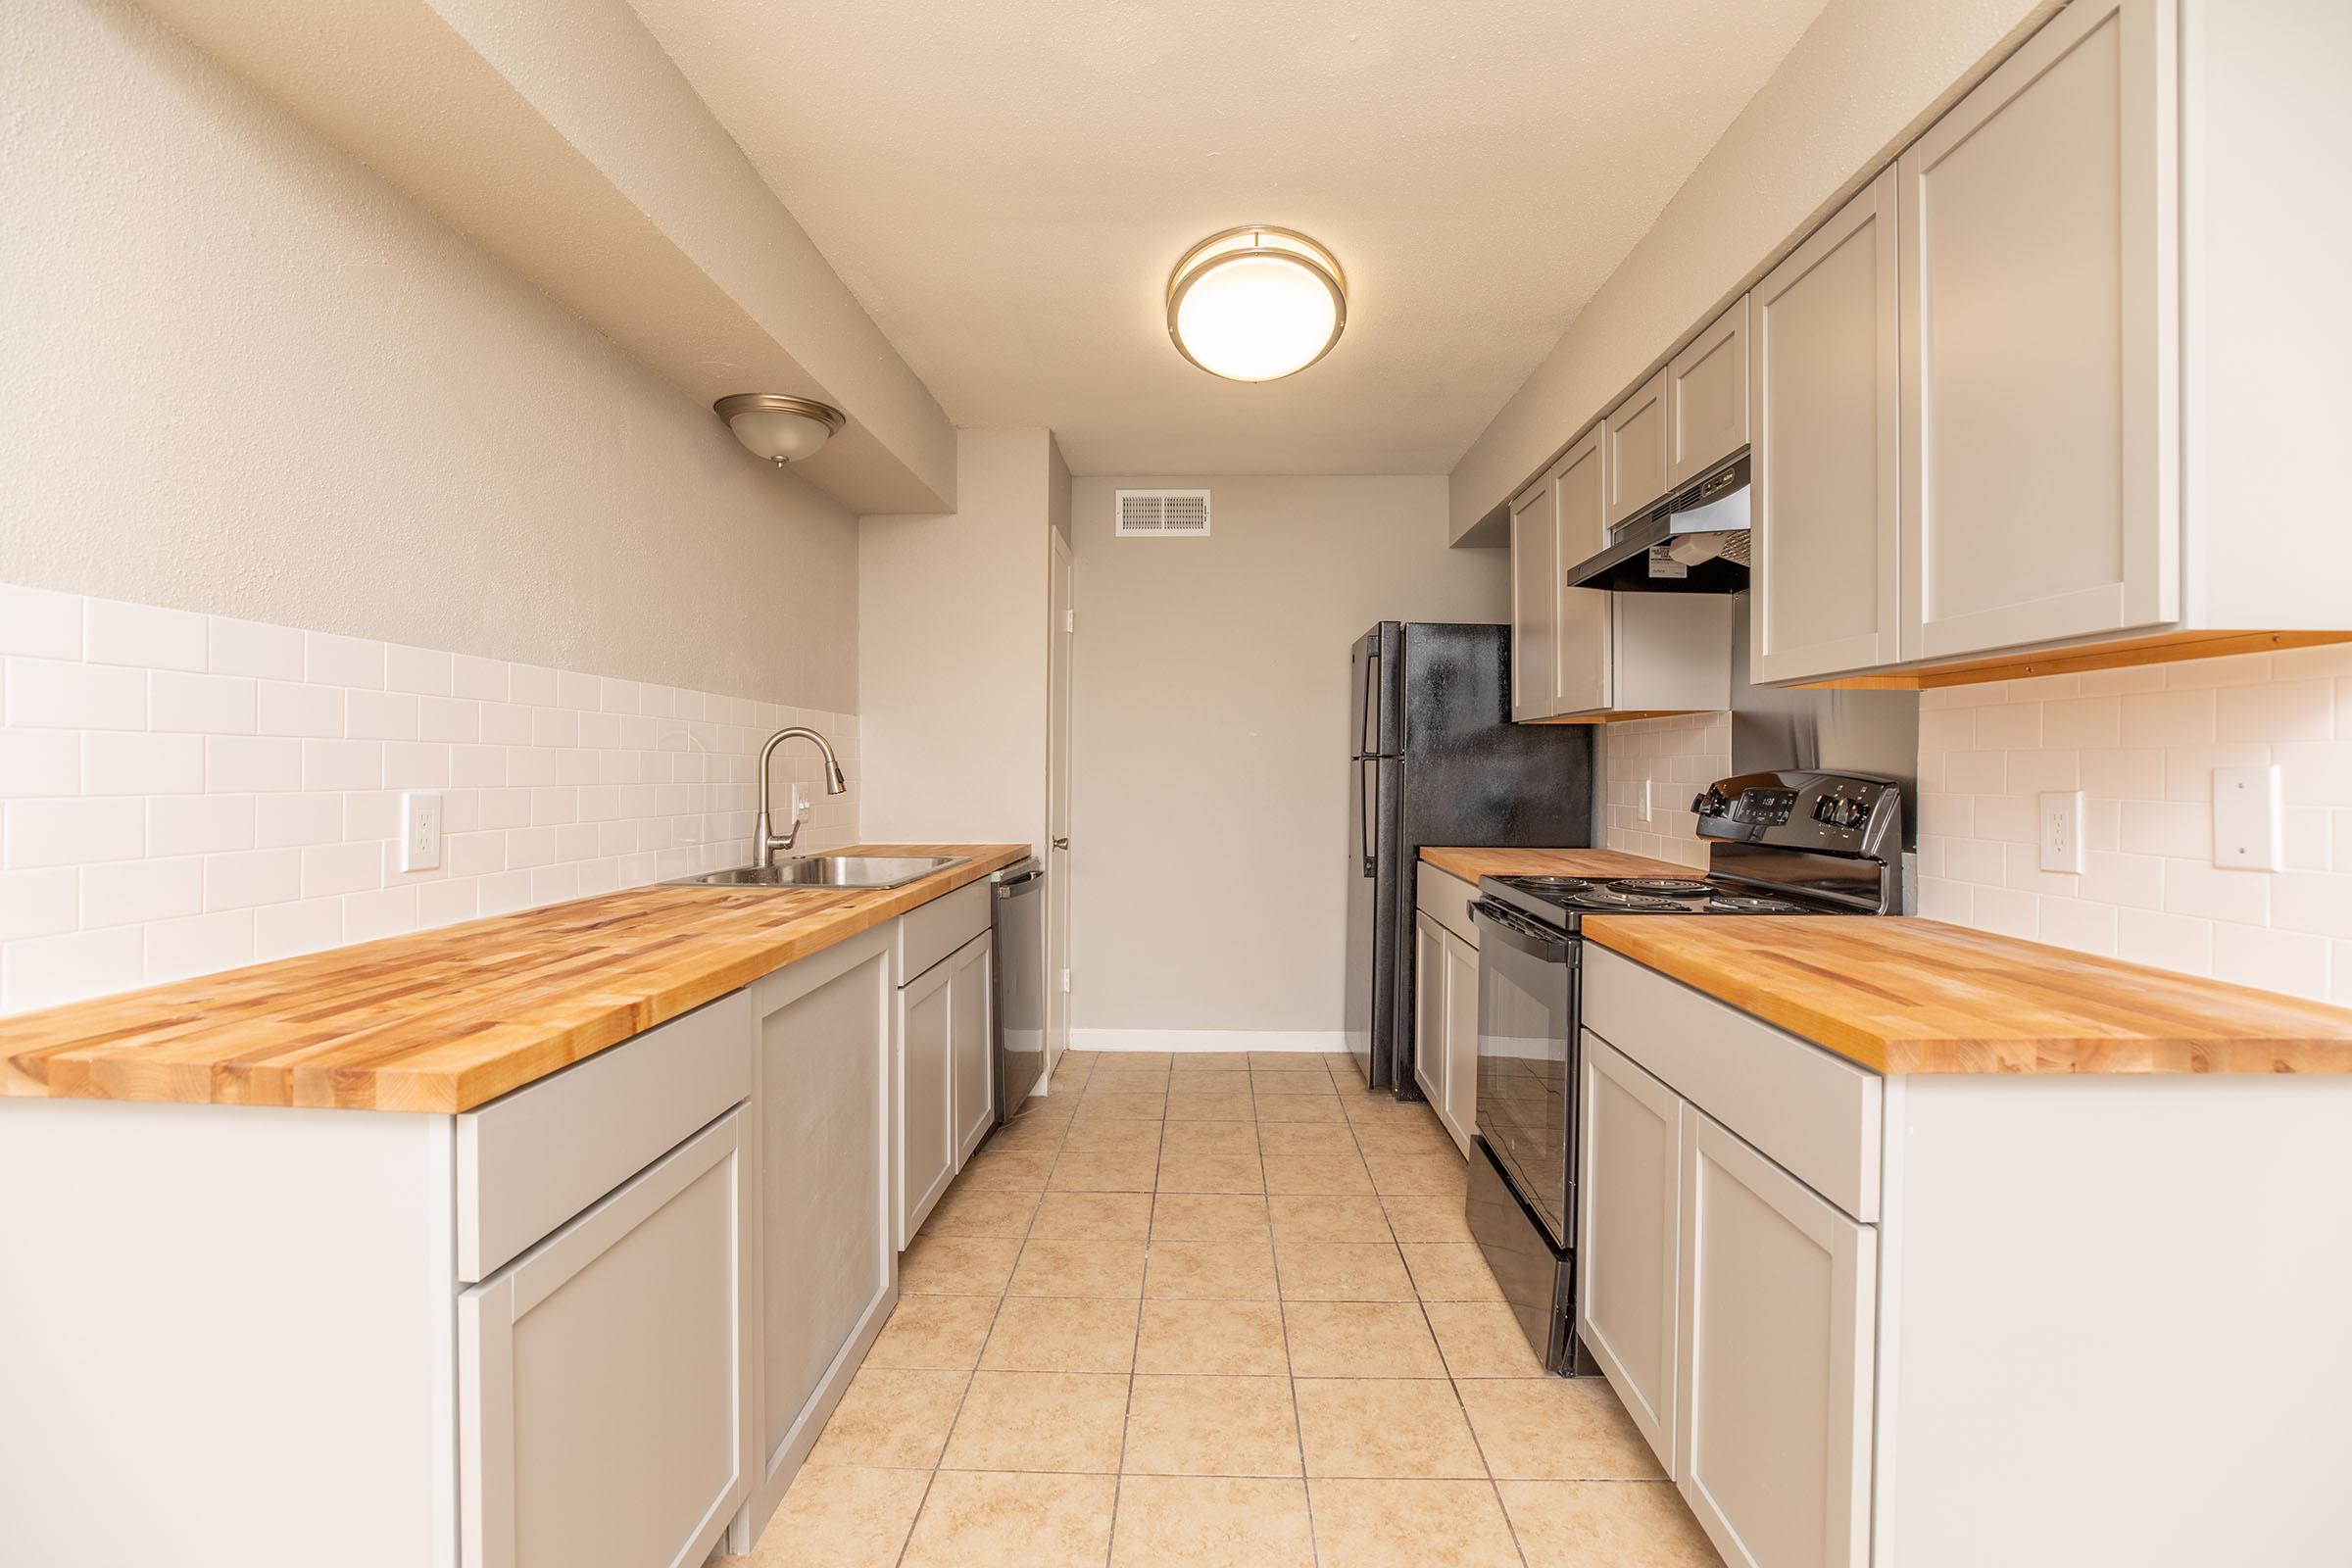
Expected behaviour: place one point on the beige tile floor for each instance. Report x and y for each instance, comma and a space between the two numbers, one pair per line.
1219, 1311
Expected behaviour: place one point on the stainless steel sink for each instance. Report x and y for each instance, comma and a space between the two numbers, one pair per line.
825, 871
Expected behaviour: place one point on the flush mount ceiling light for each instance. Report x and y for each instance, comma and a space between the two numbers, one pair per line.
782, 430
1256, 304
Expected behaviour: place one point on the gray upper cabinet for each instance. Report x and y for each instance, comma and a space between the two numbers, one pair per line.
1707, 398
1635, 436
2038, 345
1583, 675
1536, 568
1825, 370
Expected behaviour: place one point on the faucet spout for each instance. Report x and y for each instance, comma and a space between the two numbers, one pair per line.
766, 840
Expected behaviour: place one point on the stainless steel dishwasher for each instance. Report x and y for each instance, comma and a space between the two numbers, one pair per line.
1018, 908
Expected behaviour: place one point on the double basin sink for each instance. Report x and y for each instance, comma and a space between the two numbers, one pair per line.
825, 871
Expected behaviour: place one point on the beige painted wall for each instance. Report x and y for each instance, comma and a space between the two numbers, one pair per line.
951, 651
241, 374
1865, 78
1209, 738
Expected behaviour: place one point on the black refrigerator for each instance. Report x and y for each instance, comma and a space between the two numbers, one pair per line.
1435, 760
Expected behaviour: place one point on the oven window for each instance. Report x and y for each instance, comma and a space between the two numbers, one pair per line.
1523, 1021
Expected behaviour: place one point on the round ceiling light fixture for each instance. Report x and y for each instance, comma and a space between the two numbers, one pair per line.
782, 430
1256, 303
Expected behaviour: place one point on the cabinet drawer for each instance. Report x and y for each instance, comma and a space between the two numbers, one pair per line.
532, 1159
1812, 1113
930, 932
1445, 899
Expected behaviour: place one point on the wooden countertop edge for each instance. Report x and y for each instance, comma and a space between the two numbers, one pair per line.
1600, 863
737, 962
1651, 942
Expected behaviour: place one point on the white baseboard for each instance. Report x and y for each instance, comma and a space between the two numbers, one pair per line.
1330, 1041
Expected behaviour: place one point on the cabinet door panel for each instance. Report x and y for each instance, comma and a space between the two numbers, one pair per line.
924, 1078
972, 1045
1628, 1217
2038, 346
1429, 1010
600, 1409
1585, 681
1636, 432
824, 1178
1827, 367
1706, 398
1534, 574
1462, 1040
1772, 1428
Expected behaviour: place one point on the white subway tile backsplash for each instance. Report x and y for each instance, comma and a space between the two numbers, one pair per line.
137, 891
143, 635
252, 648
40, 762
198, 944
200, 704
119, 764
482, 679
295, 709
49, 694
39, 904
242, 763
43, 971
38, 623
247, 878
304, 816
74, 832
380, 716
419, 670
201, 824
224, 792
329, 659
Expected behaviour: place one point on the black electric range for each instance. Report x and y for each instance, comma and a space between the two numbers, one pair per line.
1786, 843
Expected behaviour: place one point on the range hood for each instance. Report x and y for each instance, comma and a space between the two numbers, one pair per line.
1694, 542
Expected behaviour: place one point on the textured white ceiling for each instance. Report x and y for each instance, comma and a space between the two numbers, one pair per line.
1005, 186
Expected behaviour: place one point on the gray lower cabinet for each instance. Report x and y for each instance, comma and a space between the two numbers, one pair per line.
601, 1375
1777, 1316
821, 1070
943, 1071
1629, 1225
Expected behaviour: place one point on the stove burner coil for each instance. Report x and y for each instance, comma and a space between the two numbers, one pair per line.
1662, 887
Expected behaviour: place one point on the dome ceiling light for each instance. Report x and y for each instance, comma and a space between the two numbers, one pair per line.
1256, 303
782, 430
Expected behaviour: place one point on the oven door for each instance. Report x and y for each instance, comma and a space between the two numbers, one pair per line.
1527, 977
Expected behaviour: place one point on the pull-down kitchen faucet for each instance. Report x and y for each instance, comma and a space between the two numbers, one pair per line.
766, 840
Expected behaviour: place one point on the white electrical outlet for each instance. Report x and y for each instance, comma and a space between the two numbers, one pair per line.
1648, 789
2062, 831
2245, 818
419, 831
799, 803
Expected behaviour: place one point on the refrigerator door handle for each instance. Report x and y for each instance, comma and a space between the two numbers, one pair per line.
1367, 797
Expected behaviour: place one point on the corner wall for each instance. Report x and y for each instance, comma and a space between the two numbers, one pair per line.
951, 651
1209, 731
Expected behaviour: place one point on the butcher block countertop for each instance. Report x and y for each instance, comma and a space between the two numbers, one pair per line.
1912, 996
1471, 865
447, 1019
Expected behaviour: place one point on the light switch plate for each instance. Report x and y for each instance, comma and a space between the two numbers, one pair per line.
419, 831
2246, 818
2062, 831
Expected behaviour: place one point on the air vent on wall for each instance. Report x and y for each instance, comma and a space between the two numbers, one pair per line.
1163, 514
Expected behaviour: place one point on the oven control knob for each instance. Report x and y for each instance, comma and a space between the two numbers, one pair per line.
1711, 804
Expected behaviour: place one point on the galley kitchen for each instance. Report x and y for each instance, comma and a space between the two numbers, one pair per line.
1123, 786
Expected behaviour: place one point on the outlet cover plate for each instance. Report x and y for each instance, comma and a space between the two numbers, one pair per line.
2247, 834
